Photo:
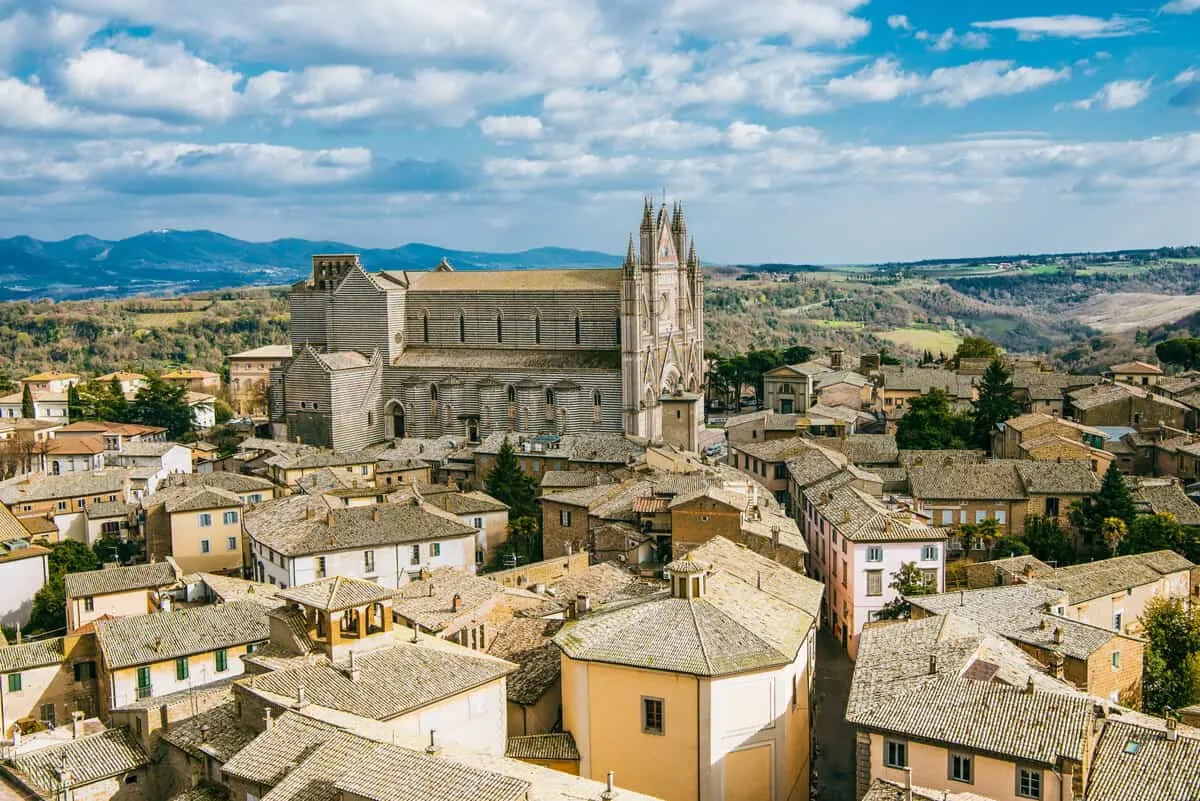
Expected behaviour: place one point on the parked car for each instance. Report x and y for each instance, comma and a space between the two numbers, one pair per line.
714, 449
717, 421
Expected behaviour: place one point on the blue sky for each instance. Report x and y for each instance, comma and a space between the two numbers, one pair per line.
794, 130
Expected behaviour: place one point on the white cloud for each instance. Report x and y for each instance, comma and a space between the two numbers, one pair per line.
804, 22
948, 39
47, 33
1189, 75
957, 86
899, 22
160, 81
1070, 26
1114, 96
507, 128
1181, 7
751, 136
881, 81
25, 107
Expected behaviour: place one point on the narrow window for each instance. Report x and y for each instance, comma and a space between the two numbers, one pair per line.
962, 768
222, 660
14, 682
230, 518
231, 543
433, 392
512, 395
89, 604
416, 555
1029, 783
537, 329
369, 561
425, 326
435, 549
205, 546
499, 328
205, 520
874, 582
596, 407
1116, 660
564, 517
577, 330
462, 328
652, 716
181, 668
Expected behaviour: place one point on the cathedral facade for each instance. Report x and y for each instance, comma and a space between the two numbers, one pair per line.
468, 353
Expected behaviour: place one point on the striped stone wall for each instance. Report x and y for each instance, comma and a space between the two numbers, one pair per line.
519, 313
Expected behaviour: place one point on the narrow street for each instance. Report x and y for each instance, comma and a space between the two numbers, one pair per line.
834, 762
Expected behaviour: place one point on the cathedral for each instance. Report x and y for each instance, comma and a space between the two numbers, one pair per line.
378, 355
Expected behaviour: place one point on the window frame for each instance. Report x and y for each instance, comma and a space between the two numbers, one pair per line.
890, 748
369, 561
231, 543
230, 517
649, 703
15, 682
205, 546
877, 576
89, 603
956, 759
874, 553
1035, 776
204, 519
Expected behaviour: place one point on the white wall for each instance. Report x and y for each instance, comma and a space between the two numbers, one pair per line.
894, 555
394, 566
20, 579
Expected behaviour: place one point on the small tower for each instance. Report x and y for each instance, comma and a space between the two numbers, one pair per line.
689, 578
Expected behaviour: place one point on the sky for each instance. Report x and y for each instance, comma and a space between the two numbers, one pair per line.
826, 131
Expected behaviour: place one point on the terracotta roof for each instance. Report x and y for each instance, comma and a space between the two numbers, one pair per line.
188, 373
871, 448
392, 681
884, 790
1089, 580
1057, 478
1136, 368
110, 481
76, 446
1164, 495
553, 746
88, 759
814, 465
49, 375
989, 481
312, 458
193, 499
120, 579
774, 450
908, 379
466, 503
336, 593
143, 639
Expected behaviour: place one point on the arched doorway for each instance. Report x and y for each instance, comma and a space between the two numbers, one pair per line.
395, 419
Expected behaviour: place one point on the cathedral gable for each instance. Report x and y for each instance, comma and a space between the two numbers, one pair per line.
665, 252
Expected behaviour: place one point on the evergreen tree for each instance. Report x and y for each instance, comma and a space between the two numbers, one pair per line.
1160, 532
116, 405
1171, 676
977, 348
995, 405
158, 403
931, 424
908, 581
74, 405
1047, 541
1114, 499
507, 482
27, 410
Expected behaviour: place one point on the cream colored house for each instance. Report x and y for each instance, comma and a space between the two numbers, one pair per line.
116, 592
129, 382
144, 656
250, 377
481, 512
50, 381
704, 694
288, 468
193, 380
200, 527
1142, 374
47, 680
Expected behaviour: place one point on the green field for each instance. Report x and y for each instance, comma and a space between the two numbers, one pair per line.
937, 341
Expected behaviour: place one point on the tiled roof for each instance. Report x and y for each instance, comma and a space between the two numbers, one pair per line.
1084, 582
567, 479
314, 458
1020, 613
816, 464
284, 525
529, 642
1057, 478
997, 480
1164, 495
467, 503
925, 379
884, 790
772, 578
1139, 763
841, 377
110, 481
860, 517
429, 602
555, 745
871, 448
265, 352
119, 579
335, 593
946, 458
142, 639
520, 359
97, 511
775, 450
1015, 565
232, 588
392, 681
147, 449
74, 446
193, 499
734, 627
39, 653
1136, 367
88, 759
217, 732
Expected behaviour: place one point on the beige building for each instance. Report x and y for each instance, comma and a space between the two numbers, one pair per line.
287, 469
117, 592
47, 681
129, 382
1142, 374
766, 462
194, 380
200, 527
712, 698
50, 381
109, 764
144, 656
64, 499
250, 377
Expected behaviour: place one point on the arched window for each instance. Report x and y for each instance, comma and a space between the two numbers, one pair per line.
577, 329
499, 328
549, 397
618, 329
425, 326
537, 329
462, 328
512, 395
596, 408
433, 392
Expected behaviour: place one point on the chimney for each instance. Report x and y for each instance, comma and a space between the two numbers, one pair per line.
301, 702
932, 664
416, 632
1029, 684
19, 634
1028, 571
76, 725
308, 513
375, 514
583, 603
329, 518
157, 644
267, 719
775, 537
1100, 711
433, 749
456, 603
758, 579
204, 732
64, 774
353, 671
1058, 635
609, 793
1057, 665
1172, 731
908, 789
962, 598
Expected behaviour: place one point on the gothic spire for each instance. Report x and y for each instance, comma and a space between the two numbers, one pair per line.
693, 259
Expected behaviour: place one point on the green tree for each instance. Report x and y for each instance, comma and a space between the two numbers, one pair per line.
908, 582
797, 354
48, 614
1047, 541
222, 411
995, 404
1005, 547
225, 437
524, 542
74, 405
1181, 352
931, 424
977, 348
1171, 670
27, 410
1158, 532
1112, 500
158, 403
508, 483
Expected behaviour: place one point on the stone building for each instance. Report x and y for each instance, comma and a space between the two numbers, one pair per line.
440, 352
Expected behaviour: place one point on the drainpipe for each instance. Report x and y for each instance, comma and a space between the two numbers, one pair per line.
699, 749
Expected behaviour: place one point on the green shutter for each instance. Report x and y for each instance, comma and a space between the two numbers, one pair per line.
181, 668
14, 682
222, 660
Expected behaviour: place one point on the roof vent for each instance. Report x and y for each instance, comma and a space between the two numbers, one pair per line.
932, 664
609, 793
1172, 731
433, 749
456, 603
301, 701
1058, 635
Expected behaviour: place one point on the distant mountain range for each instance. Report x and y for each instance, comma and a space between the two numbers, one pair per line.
168, 261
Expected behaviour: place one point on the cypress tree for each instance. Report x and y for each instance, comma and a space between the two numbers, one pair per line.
995, 405
27, 410
507, 482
